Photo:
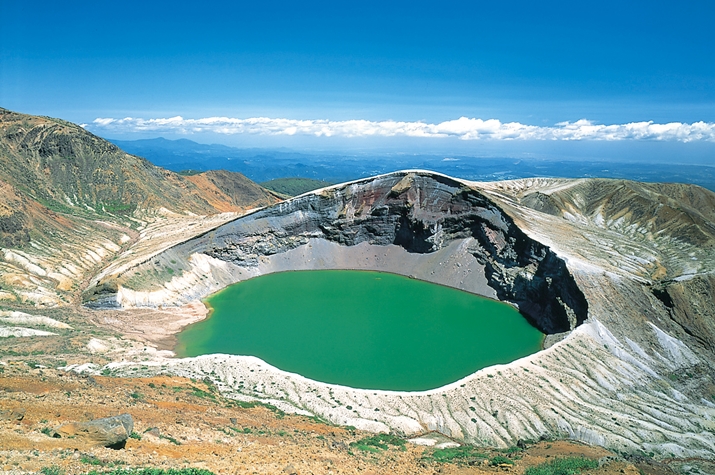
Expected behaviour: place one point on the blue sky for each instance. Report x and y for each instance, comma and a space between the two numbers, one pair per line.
537, 64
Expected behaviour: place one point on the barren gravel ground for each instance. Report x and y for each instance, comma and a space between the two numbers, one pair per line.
185, 423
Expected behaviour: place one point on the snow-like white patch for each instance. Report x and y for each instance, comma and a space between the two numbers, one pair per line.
434, 440
92, 256
110, 246
81, 368
24, 262
17, 332
423, 441
21, 318
680, 355
96, 345
447, 445
598, 219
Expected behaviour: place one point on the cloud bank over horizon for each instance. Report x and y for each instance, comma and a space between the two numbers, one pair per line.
463, 128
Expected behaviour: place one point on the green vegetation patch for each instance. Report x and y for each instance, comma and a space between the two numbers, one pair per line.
243, 404
58, 207
562, 466
378, 442
464, 454
511, 450
92, 460
294, 186
118, 207
196, 392
500, 460
170, 439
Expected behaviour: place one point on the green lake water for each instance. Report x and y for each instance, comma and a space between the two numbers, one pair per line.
360, 329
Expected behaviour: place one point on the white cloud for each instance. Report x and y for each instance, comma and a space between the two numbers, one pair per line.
463, 128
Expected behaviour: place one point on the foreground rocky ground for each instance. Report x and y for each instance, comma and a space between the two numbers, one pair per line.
180, 422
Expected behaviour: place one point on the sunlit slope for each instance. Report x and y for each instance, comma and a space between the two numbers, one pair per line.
657, 231
71, 201
231, 191
658, 237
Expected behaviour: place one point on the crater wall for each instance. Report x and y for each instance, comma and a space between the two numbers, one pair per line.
409, 223
635, 376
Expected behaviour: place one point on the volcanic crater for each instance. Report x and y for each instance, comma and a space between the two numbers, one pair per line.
597, 265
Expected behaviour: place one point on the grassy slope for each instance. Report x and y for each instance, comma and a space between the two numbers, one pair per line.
68, 169
294, 186
231, 191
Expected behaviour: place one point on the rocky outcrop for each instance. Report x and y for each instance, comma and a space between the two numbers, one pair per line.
422, 213
15, 415
690, 305
111, 432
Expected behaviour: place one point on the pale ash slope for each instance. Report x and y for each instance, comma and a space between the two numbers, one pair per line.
630, 377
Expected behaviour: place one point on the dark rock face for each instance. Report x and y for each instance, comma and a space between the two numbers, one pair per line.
109, 432
13, 230
422, 213
690, 305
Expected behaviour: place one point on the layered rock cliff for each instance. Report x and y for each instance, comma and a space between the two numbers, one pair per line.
419, 213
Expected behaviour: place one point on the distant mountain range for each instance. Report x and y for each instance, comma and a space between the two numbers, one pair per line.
265, 164
258, 164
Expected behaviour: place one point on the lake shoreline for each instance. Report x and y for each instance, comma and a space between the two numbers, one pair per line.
446, 331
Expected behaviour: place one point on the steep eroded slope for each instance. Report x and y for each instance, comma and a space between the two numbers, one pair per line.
71, 201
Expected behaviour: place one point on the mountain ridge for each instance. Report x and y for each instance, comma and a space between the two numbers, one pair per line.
61, 184
61, 163
264, 164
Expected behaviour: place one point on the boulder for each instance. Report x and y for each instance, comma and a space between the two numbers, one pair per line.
109, 432
13, 414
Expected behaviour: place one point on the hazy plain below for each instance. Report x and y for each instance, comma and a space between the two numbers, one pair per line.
267, 164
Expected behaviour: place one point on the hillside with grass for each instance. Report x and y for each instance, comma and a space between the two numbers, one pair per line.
294, 186
232, 191
71, 201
